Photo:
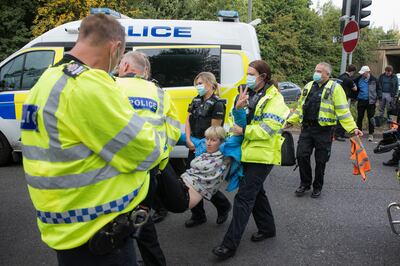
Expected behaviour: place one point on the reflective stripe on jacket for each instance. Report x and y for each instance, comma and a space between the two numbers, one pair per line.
85, 153
156, 107
262, 137
359, 158
333, 107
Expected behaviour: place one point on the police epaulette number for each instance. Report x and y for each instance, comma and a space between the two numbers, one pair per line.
74, 69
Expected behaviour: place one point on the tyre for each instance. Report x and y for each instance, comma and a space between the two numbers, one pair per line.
5, 151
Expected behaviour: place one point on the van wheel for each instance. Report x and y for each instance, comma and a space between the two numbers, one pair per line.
5, 151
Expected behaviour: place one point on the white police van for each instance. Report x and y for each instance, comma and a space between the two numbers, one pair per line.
178, 50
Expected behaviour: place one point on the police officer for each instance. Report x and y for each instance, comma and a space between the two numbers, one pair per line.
321, 104
155, 106
205, 110
86, 153
261, 149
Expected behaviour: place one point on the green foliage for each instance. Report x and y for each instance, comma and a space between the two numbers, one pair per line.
15, 20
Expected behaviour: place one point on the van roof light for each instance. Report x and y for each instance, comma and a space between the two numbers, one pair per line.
228, 15
107, 11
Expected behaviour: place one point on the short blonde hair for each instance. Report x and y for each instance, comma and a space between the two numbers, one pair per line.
215, 132
210, 79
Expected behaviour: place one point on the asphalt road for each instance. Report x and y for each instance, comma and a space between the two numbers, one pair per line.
347, 225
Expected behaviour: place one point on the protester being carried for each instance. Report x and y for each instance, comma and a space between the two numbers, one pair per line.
201, 180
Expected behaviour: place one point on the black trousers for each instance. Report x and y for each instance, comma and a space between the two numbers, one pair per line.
219, 200
172, 191
123, 256
147, 240
320, 139
250, 199
362, 106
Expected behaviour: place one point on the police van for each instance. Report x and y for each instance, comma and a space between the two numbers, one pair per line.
178, 50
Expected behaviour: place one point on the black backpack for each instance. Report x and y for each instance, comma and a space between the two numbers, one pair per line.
287, 150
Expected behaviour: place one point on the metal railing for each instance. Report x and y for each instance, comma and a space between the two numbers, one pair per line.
389, 43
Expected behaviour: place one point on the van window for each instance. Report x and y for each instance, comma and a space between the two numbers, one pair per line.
35, 64
177, 67
22, 72
232, 68
10, 74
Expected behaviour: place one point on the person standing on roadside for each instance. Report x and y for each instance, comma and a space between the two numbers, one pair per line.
389, 85
368, 93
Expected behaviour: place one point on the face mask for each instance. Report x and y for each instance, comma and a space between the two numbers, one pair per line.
317, 76
251, 82
201, 90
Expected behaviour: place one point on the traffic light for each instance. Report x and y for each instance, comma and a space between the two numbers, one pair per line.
359, 14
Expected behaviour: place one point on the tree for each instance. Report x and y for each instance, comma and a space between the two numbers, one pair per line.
16, 19
54, 13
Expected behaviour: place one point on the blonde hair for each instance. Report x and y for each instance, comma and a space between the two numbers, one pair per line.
215, 132
210, 79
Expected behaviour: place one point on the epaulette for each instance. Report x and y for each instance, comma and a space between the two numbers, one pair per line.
74, 69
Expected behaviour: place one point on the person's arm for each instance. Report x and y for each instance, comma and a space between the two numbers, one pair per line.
378, 90
396, 86
273, 120
218, 114
342, 110
189, 143
104, 121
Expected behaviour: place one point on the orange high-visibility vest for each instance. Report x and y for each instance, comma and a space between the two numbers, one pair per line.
359, 158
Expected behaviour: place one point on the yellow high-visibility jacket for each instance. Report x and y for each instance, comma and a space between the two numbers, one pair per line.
156, 107
86, 153
263, 136
333, 107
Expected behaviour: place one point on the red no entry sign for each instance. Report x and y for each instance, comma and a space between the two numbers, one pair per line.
351, 33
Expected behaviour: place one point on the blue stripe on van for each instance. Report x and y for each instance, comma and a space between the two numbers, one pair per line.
7, 106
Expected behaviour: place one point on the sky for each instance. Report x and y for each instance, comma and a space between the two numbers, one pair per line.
384, 13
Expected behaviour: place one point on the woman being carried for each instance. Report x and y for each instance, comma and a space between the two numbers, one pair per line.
201, 180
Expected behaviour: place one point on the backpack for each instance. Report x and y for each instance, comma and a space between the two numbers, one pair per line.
287, 150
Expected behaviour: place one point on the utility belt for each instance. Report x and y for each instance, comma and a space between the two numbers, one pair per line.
114, 234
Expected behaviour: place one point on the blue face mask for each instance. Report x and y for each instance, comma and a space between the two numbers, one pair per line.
317, 77
251, 82
201, 90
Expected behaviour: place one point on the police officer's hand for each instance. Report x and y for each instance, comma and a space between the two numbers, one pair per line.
358, 132
236, 130
190, 145
242, 99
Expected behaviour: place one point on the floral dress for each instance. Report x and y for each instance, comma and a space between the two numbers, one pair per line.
206, 173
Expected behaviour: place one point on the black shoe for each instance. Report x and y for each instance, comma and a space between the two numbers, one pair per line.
316, 193
391, 162
223, 252
338, 138
222, 217
259, 236
192, 222
301, 190
159, 215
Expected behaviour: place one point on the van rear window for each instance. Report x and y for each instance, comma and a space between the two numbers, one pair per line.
177, 67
